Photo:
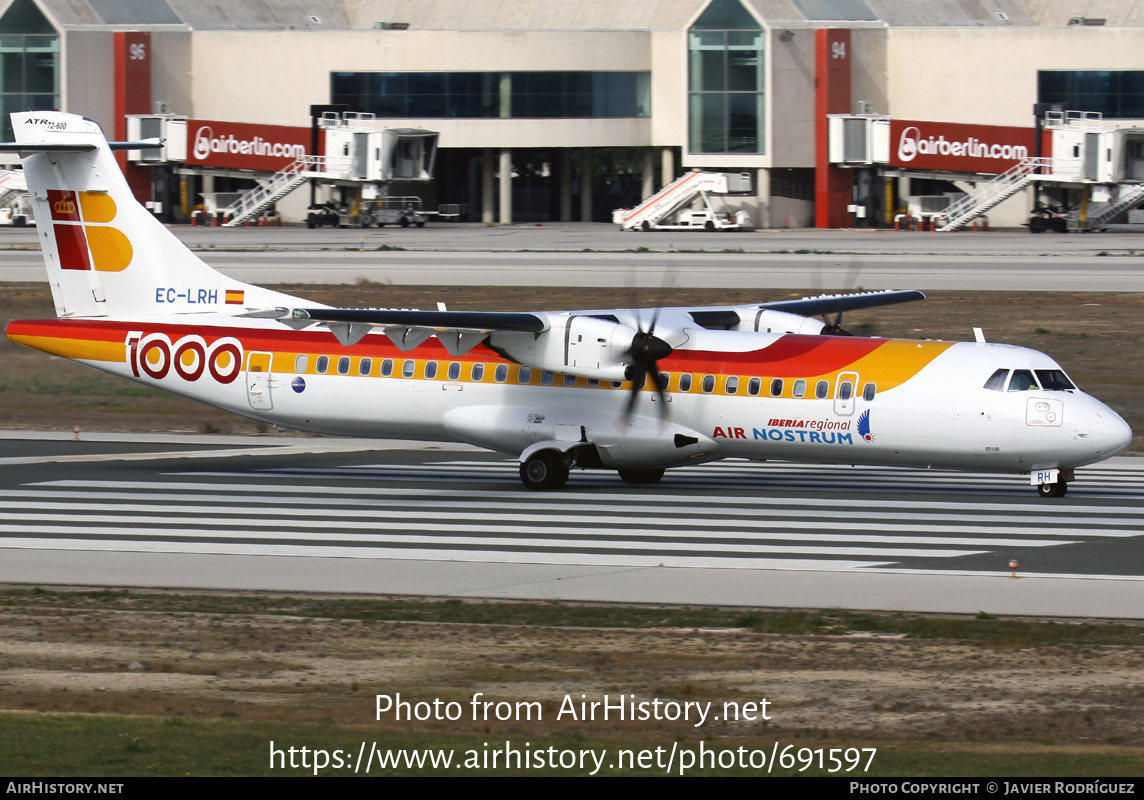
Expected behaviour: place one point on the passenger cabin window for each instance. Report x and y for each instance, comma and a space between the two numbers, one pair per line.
478, 372
344, 365
777, 387
430, 369
322, 365
685, 382
708, 384
845, 390
546, 377
821, 390
500, 374
1023, 381
454, 372
754, 386
387, 368
1054, 380
800, 388
617, 384
525, 375
732, 384
868, 392
593, 382
996, 382
408, 368
300, 363
364, 366
663, 381
569, 380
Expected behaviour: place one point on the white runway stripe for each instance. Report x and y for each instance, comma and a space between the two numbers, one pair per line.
642, 496
876, 480
532, 542
411, 523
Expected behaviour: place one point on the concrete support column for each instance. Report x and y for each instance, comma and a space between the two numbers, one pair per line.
585, 184
763, 193
666, 166
505, 109
506, 186
208, 183
565, 184
648, 173
488, 190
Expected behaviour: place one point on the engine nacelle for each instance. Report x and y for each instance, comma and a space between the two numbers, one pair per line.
767, 321
577, 345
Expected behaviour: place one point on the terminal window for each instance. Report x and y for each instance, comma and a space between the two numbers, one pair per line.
1116, 94
29, 63
476, 95
725, 81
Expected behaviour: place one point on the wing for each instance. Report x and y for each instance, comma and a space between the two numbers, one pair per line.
737, 317
591, 344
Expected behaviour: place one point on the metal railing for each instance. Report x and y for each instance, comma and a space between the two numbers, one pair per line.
278, 186
1001, 188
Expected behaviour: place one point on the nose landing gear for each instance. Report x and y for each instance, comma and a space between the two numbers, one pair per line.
1057, 489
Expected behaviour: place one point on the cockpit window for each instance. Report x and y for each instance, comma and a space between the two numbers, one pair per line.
1023, 381
996, 381
1054, 380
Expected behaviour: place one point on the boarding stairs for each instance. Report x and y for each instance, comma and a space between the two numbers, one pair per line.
1098, 215
280, 184
670, 199
1001, 188
12, 184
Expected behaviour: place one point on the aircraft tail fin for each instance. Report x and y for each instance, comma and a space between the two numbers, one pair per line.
106, 254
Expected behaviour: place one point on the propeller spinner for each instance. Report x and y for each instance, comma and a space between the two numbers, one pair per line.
644, 354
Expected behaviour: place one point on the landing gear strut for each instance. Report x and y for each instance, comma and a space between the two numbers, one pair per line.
544, 471
1057, 489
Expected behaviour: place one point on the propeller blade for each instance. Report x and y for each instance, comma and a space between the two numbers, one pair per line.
638, 376
645, 352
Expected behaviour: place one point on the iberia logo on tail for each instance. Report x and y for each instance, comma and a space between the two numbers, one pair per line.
84, 240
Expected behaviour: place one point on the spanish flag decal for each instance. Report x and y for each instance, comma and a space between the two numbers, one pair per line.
84, 240
234, 297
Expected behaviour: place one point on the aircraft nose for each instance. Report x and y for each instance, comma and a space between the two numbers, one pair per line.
1110, 433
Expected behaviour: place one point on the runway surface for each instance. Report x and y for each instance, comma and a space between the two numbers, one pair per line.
599, 255
324, 515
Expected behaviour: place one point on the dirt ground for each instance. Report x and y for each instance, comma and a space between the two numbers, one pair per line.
818, 687
1097, 338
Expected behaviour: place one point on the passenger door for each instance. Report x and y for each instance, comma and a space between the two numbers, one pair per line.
258, 381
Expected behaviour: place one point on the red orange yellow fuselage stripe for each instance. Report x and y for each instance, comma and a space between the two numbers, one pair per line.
888, 362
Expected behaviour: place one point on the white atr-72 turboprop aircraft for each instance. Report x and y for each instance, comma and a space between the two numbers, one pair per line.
560, 389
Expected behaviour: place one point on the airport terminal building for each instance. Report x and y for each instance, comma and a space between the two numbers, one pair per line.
837, 111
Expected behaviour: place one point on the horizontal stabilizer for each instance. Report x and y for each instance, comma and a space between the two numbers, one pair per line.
61, 147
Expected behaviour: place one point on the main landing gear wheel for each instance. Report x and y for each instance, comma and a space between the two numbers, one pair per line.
641, 477
544, 471
1057, 489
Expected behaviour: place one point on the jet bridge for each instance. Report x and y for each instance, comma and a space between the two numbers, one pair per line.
360, 159
1084, 157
